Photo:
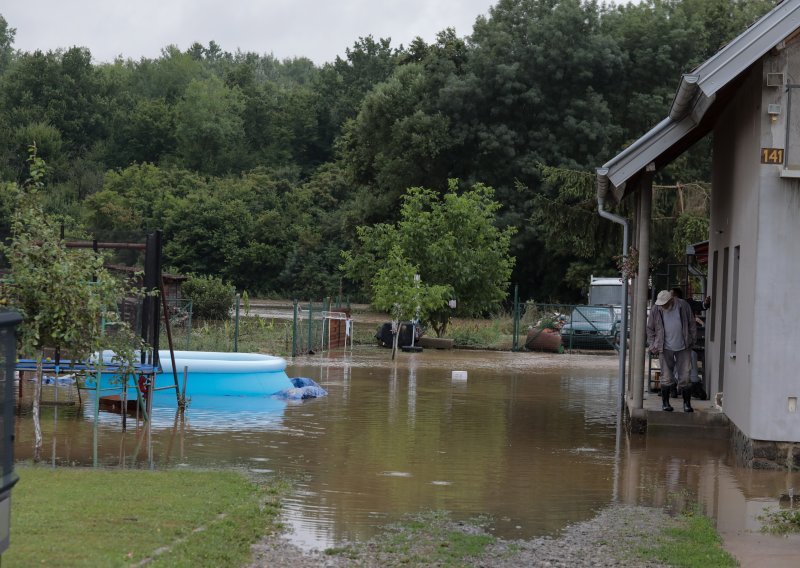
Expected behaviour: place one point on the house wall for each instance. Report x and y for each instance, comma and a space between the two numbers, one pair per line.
734, 223
778, 269
758, 210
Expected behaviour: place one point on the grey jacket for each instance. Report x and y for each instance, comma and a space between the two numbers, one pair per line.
655, 325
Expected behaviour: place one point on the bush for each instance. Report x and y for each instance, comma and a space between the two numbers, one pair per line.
212, 298
479, 333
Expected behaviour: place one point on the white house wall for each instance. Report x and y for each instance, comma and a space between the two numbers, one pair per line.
734, 211
756, 209
777, 372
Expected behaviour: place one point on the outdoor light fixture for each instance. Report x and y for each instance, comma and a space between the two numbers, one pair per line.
773, 111
8, 358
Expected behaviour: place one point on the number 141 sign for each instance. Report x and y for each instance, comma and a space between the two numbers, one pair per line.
771, 155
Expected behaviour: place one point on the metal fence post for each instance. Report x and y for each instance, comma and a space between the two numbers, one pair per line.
310, 325
326, 308
294, 328
189, 331
515, 326
236, 325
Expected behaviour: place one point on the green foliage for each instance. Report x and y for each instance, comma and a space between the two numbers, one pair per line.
208, 126
454, 242
62, 89
212, 298
476, 333
780, 521
295, 157
691, 227
396, 291
566, 215
63, 294
256, 335
6, 43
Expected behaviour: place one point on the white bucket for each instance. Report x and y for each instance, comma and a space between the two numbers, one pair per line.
459, 375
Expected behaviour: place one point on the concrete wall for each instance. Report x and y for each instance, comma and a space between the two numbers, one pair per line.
734, 223
758, 210
777, 367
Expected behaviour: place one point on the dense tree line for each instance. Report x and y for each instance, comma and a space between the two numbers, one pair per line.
261, 171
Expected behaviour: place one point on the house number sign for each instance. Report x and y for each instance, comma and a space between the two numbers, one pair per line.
771, 155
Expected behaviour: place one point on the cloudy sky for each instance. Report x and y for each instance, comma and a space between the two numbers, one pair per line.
318, 29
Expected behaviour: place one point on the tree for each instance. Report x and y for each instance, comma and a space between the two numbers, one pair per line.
454, 242
6, 43
564, 217
62, 294
60, 88
209, 127
691, 227
342, 84
398, 290
212, 298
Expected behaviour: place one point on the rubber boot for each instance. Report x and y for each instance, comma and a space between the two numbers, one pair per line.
687, 400
665, 406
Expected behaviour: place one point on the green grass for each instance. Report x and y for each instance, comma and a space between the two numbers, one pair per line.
256, 335
88, 517
427, 539
475, 333
695, 543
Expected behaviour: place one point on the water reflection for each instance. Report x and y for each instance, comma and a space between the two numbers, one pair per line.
530, 439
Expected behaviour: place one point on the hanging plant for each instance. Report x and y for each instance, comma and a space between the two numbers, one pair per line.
628, 265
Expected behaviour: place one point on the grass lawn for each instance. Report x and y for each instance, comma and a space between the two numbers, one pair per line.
90, 517
695, 543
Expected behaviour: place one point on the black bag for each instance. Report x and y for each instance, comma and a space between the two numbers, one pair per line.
699, 391
384, 335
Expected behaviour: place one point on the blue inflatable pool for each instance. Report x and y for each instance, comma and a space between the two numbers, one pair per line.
215, 374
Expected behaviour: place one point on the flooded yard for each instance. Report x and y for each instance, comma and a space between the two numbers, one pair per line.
530, 440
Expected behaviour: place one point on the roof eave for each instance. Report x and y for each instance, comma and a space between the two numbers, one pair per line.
696, 94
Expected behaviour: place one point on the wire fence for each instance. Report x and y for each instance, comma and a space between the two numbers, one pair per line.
283, 329
569, 327
307, 327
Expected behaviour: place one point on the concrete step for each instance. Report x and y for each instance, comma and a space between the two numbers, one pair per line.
707, 420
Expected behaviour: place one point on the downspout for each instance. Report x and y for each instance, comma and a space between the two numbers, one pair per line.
602, 191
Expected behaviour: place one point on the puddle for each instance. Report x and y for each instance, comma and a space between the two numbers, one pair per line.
529, 440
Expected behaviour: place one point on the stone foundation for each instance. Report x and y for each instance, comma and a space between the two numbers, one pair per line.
759, 454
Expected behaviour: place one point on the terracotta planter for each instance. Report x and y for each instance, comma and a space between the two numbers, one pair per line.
543, 340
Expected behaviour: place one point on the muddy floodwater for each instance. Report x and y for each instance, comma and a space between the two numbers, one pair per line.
529, 440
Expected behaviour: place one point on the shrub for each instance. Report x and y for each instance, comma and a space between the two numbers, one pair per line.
476, 333
212, 298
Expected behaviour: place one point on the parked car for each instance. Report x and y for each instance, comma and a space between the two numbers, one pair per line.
591, 327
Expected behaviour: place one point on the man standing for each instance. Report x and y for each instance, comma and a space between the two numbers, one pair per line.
671, 333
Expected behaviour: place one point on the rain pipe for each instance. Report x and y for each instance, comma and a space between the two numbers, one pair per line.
602, 190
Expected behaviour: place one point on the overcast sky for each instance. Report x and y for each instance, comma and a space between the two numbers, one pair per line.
318, 29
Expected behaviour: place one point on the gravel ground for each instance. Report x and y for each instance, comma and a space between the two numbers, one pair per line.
606, 540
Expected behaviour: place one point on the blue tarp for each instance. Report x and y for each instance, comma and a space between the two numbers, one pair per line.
303, 388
